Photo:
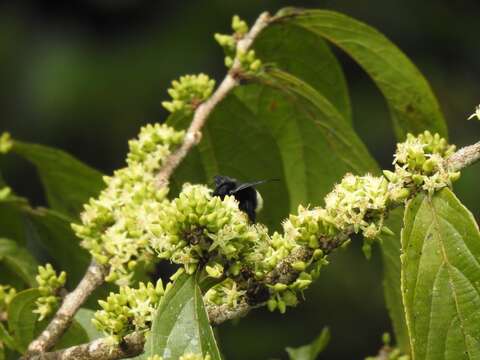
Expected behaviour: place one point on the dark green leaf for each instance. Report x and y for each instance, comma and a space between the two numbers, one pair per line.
302, 54
312, 350
21, 319
412, 104
441, 278
18, 260
51, 232
391, 277
181, 325
7, 339
68, 182
24, 325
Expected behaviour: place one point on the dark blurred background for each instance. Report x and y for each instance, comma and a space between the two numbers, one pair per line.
85, 75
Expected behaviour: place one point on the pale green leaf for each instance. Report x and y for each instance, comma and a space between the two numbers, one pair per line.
181, 325
441, 278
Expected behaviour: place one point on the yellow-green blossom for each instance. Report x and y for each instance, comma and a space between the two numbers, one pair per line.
188, 92
420, 164
49, 284
115, 226
129, 309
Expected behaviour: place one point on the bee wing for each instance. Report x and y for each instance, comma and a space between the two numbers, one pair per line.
250, 184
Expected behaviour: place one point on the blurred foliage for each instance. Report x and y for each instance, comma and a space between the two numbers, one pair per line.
85, 75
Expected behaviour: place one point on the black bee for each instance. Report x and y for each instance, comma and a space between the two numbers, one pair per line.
249, 200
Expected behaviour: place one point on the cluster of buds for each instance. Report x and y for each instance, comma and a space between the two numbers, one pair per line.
7, 293
115, 225
49, 286
188, 92
129, 309
198, 228
420, 164
248, 61
6, 143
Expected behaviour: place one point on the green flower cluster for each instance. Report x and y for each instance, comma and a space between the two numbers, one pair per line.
129, 309
420, 164
115, 225
248, 60
188, 92
49, 284
7, 293
358, 202
225, 293
6, 143
198, 228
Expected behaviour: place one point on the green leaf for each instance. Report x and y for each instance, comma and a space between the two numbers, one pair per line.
302, 54
51, 231
18, 260
312, 350
24, 325
391, 277
21, 319
68, 182
441, 278
7, 339
84, 318
412, 104
181, 324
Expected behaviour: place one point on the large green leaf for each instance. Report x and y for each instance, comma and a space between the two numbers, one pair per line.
302, 54
441, 278
312, 350
181, 324
412, 104
391, 277
18, 260
68, 182
24, 326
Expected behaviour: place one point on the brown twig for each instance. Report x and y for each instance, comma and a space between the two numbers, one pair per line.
101, 349
464, 157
